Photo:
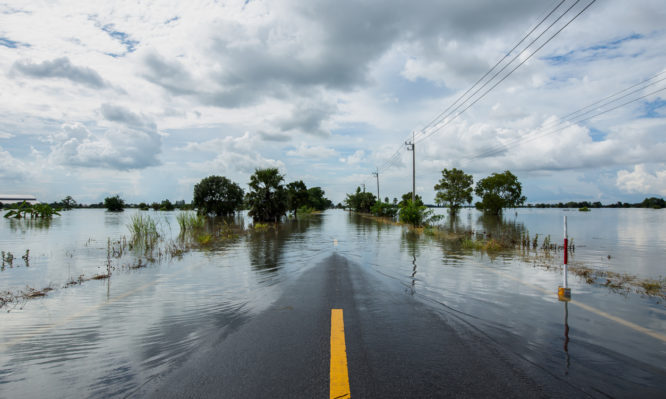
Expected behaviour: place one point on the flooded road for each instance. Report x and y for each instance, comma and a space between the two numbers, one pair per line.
129, 334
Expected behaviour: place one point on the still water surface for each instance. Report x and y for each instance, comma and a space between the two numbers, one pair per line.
108, 338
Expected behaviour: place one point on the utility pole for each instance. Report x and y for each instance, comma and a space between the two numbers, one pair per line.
376, 174
363, 187
410, 147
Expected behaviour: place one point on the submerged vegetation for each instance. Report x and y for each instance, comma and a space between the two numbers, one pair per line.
37, 211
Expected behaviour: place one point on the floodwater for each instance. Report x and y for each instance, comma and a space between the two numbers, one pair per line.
110, 337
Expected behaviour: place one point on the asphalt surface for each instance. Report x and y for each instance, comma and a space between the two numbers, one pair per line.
397, 347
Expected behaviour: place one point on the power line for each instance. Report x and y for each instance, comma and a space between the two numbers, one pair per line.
450, 110
439, 128
563, 126
444, 113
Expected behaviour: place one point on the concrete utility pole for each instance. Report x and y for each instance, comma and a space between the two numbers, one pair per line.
410, 147
376, 174
363, 187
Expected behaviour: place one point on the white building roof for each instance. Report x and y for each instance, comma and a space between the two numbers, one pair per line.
14, 198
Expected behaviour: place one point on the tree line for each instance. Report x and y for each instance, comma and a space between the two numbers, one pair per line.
268, 199
497, 192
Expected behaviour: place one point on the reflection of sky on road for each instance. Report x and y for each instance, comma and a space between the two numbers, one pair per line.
111, 338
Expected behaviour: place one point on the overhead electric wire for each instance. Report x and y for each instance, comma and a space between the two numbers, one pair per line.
442, 115
571, 117
392, 160
450, 110
431, 133
565, 124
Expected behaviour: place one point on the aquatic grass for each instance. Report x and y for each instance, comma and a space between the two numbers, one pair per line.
260, 226
143, 231
189, 221
204, 239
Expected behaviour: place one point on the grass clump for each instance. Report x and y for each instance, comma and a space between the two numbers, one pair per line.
143, 231
190, 221
584, 209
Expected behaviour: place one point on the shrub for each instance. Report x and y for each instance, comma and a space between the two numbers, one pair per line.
217, 195
114, 204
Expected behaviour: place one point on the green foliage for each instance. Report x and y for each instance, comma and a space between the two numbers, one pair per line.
317, 200
654, 203
143, 231
584, 209
454, 189
305, 210
360, 201
38, 211
297, 195
166, 205
407, 198
267, 198
217, 195
143, 206
415, 214
68, 203
114, 204
155, 206
189, 221
499, 191
1, 205
384, 209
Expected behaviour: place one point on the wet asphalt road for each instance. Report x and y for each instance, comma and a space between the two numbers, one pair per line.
397, 347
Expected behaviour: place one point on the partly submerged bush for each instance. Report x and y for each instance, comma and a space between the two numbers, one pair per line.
384, 209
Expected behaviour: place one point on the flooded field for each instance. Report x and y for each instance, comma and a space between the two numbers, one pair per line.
109, 337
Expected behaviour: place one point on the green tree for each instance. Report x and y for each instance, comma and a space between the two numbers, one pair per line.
166, 205
413, 213
499, 191
267, 197
653, 202
407, 198
297, 195
217, 195
454, 189
114, 204
317, 200
68, 203
360, 201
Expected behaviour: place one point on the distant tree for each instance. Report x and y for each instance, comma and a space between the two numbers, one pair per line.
454, 189
166, 205
653, 202
407, 198
217, 195
360, 201
386, 200
499, 191
1, 205
68, 203
143, 206
114, 204
267, 197
297, 195
316, 199
155, 206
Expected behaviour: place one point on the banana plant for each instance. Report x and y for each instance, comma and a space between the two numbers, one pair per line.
41, 211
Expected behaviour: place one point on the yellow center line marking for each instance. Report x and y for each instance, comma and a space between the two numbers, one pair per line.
626, 323
66, 320
339, 387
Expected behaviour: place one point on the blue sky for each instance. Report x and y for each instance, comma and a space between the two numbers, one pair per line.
146, 99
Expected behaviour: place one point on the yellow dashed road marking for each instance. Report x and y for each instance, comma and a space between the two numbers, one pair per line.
339, 387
